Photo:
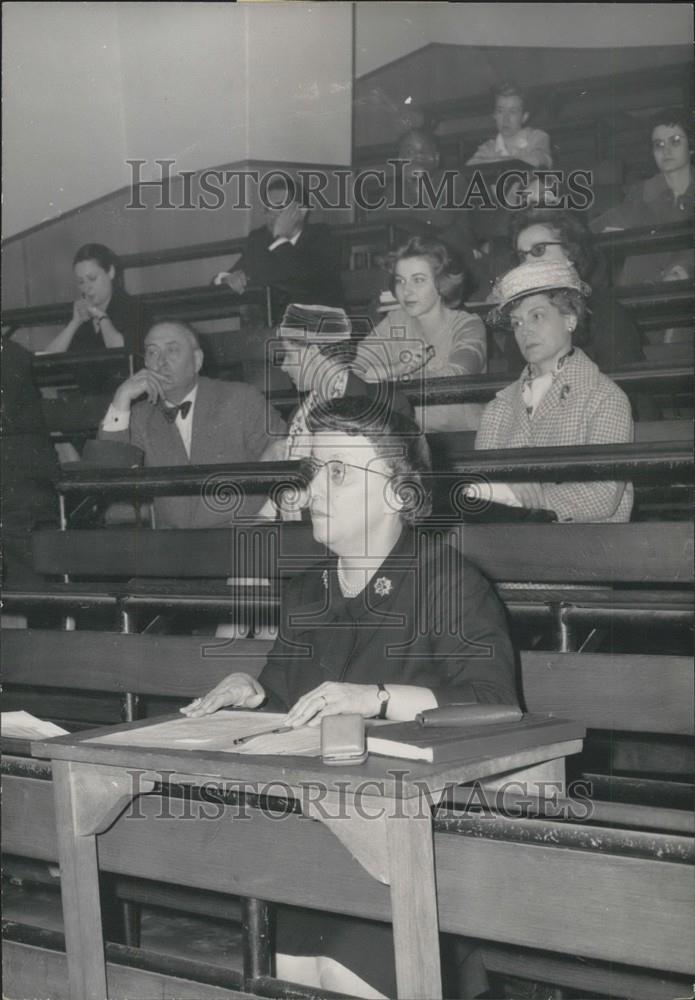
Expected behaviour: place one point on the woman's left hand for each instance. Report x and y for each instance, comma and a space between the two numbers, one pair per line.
332, 698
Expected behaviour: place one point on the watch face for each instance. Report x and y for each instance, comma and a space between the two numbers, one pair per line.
383, 695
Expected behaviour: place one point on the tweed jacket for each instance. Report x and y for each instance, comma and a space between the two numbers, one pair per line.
581, 407
231, 423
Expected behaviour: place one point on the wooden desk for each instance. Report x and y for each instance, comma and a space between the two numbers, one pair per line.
387, 804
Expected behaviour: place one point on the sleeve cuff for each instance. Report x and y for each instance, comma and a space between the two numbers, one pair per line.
116, 420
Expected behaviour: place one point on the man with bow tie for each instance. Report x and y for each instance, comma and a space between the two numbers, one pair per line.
188, 419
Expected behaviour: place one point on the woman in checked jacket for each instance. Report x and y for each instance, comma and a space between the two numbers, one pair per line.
561, 398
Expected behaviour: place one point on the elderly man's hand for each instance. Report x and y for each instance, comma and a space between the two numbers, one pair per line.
238, 690
144, 382
332, 698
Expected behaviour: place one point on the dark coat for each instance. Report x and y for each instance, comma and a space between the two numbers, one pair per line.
428, 617
129, 317
308, 272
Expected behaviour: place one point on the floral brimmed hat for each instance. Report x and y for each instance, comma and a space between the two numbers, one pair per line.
531, 278
315, 324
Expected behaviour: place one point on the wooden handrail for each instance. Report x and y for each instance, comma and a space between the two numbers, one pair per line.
648, 239
251, 477
670, 461
481, 388
199, 302
206, 302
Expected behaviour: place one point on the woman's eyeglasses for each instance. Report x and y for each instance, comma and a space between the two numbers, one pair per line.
674, 141
538, 249
337, 470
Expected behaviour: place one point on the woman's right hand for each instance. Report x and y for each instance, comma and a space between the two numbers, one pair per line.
238, 690
80, 312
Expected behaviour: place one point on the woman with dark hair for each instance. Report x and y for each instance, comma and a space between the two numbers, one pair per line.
104, 317
607, 334
395, 622
561, 398
425, 336
668, 196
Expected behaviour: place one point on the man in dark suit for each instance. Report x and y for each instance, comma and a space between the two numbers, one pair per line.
188, 420
300, 262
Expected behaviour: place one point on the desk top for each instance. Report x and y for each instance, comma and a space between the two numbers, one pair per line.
280, 776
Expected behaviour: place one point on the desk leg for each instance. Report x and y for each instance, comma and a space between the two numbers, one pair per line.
414, 903
87, 800
79, 886
398, 849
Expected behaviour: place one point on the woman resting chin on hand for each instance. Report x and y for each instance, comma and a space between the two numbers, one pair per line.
104, 316
394, 623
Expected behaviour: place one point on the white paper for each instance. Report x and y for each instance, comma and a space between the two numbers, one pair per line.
218, 732
24, 726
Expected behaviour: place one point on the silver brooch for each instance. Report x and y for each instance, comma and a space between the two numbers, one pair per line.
383, 586
564, 392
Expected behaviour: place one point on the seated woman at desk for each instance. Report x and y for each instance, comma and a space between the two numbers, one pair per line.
560, 399
104, 317
396, 622
425, 337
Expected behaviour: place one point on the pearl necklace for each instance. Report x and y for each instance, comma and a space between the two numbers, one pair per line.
347, 589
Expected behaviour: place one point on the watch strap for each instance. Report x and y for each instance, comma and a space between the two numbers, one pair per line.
384, 698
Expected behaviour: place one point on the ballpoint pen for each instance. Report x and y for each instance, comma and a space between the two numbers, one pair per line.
263, 732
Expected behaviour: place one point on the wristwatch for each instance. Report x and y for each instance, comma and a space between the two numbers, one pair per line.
384, 697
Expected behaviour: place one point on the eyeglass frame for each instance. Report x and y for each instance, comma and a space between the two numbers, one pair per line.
311, 466
674, 141
523, 255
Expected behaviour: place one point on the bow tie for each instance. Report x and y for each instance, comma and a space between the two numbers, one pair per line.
171, 412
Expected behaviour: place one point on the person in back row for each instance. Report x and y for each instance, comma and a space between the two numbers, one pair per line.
104, 317
515, 140
561, 398
425, 338
667, 197
418, 148
186, 419
300, 262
